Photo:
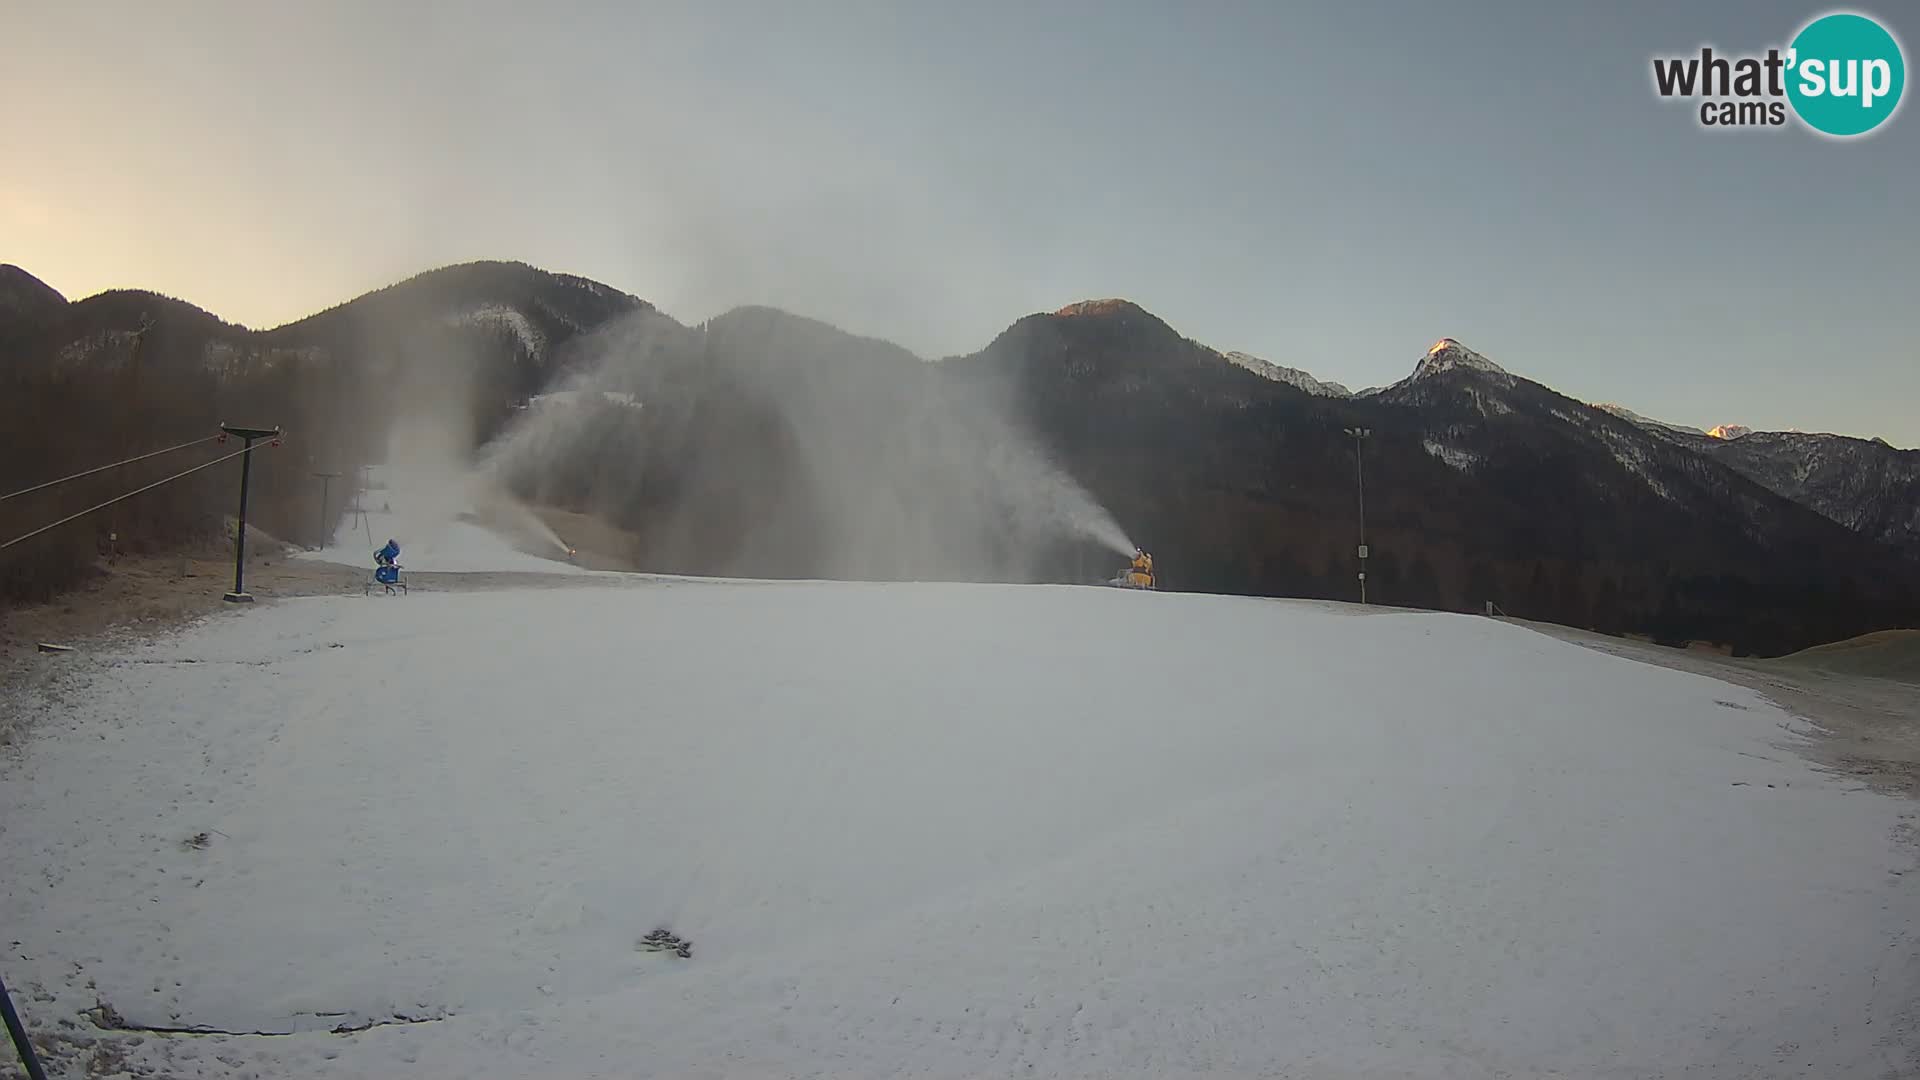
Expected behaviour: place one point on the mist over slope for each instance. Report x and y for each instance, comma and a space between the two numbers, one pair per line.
766, 444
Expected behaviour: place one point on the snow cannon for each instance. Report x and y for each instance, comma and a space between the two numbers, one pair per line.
386, 570
1138, 574
386, 577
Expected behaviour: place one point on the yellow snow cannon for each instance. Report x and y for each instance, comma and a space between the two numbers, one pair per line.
1138, 575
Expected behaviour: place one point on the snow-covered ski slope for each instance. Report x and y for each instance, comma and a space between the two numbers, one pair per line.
942, 830
437, 545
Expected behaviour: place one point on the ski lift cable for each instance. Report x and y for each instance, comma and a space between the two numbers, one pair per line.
104, 468
128, 495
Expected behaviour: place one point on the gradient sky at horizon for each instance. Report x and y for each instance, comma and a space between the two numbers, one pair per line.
1330, 187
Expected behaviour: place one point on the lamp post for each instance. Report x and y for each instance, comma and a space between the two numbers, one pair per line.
1360, 481
239, 595
326, 482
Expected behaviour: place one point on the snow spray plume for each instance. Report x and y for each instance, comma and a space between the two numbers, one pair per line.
430, 386
435, 384
550, 429
763, 444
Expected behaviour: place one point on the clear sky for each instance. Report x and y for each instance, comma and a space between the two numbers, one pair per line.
1331, 187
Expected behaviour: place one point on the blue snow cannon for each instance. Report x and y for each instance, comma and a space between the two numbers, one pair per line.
386, 570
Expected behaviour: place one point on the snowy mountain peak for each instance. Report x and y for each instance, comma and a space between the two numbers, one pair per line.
506, 319
1449, 355
1110, 306
1291, 376
1729, 431
1632, 417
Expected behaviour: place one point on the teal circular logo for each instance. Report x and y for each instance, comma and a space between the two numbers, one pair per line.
1845, 74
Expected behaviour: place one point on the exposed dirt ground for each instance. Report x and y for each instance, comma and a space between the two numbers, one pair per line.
1870, 723
1886, 654
600, 545
597, 544
140, 597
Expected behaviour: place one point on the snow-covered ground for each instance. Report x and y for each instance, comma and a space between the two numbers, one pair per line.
436, 545
941, 830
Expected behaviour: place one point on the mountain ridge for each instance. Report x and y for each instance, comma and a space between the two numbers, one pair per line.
1481, 485
1444, 352
21, 292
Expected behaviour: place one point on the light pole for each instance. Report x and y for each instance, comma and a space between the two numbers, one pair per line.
326, 482
1360, 480
239, 595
